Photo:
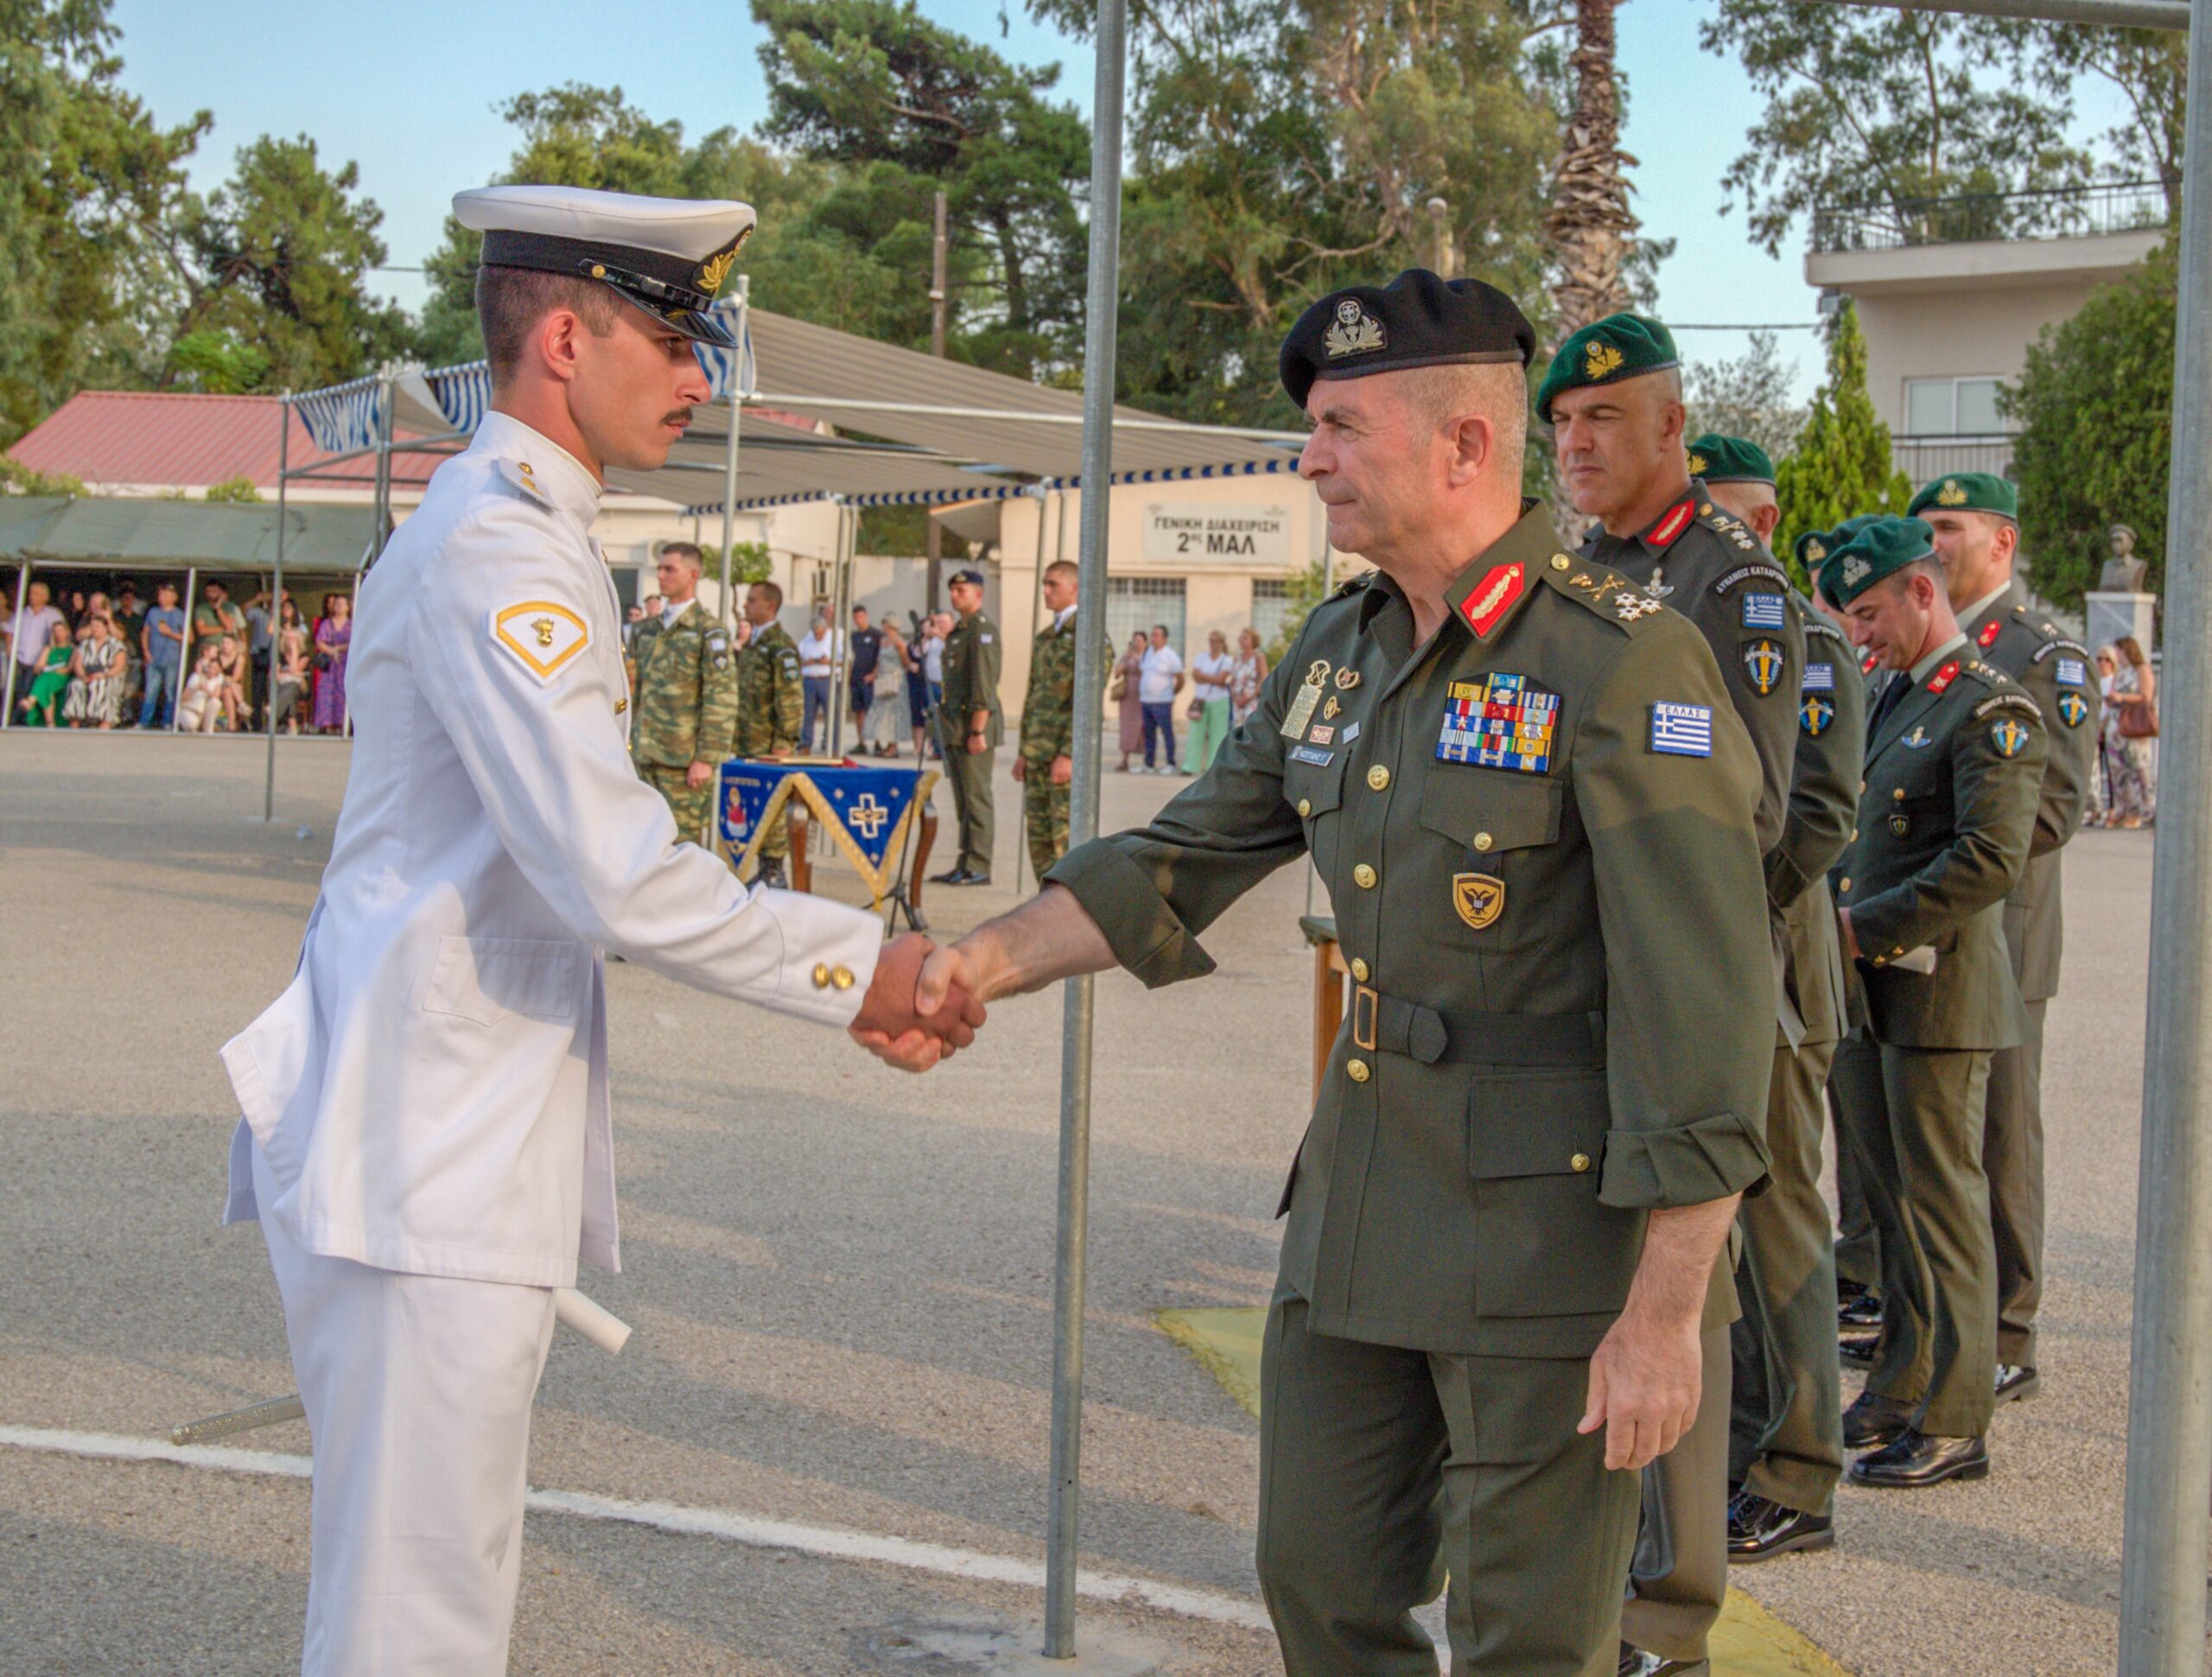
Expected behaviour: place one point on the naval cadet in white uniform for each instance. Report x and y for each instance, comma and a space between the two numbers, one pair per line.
426, 1137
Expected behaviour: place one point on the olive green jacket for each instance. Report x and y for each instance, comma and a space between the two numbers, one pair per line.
686, 691
971, 678
770, 694
2061, 677
1561, 1015
1823, 805
1954, 774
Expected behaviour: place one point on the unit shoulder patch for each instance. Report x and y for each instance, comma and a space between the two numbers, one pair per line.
2019, 701
2060, 644
1816, 625
543, 636
1769, 577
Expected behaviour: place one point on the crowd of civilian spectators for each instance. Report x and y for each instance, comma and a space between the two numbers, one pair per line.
86, 659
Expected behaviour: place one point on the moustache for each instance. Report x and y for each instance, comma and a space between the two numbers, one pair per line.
676, 416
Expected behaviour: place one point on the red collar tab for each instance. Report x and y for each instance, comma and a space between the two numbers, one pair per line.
1943, 677
1867, 664
1491, 599
1672, 522
1990, 631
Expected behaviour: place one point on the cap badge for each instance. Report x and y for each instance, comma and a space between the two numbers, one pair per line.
715, 269
1816, 552
1855, 569
1356, 333
1952, 493
1699, 466
1605, 361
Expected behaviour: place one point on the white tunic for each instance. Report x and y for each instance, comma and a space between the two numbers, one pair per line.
431, 1092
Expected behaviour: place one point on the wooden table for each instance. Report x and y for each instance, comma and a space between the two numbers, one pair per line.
1330, 976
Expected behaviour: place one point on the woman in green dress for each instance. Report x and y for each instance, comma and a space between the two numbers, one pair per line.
51, 681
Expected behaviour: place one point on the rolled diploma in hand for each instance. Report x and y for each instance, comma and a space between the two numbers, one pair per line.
603, 1328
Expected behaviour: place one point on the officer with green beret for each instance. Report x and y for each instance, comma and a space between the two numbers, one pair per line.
1532, 1131
686, 696
969, 723
771, 694
1973, 521
1613, 397
1955, 752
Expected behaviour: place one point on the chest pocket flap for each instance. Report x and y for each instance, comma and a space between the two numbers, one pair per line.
1491, 810
1315, 789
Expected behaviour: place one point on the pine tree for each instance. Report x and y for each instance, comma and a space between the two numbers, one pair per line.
1841, 465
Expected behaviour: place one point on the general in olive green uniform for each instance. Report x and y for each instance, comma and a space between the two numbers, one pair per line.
1048, 733
1538, 832
1955, 761
769, 698
2060, 676
1786, 1442
971, 685
686, 705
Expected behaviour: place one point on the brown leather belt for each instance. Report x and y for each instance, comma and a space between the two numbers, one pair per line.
1390, 1025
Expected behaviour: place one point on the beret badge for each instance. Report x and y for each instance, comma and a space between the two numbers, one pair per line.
1699, 466
1854, 569
1603, 361
1815, 550
1355, 332
1952, 494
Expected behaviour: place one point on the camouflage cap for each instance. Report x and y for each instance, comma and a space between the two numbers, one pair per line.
1880, 547
1719, 458
1618, 347
1968, 492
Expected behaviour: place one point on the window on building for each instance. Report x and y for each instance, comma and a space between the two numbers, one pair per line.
1138, 603
1270, 606
1952, 406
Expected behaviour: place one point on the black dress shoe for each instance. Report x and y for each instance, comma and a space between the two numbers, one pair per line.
2015, 1382
1915, 1460
1863, 1312
1847, 1290
1872, 1421
1857, 1349
1759, 1529
969, 876
956, 874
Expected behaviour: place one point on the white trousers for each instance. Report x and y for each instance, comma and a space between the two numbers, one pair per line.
418, 1391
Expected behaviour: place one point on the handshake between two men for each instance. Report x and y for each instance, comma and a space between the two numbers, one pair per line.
926, 1001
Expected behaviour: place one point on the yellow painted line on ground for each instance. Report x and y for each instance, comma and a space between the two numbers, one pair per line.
1748, 1642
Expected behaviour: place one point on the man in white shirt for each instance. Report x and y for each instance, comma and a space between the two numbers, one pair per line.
34, 629
1161, 679
817, 657
426, 1138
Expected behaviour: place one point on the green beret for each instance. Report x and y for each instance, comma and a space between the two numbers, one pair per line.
1871, 552
1814, 546
1605, 352
1968, 492
1719, 458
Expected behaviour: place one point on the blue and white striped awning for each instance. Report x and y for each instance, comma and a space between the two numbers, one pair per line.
1253, 468
344, 417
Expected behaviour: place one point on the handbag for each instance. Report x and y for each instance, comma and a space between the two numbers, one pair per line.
2139, 722
1198, 710
1118, 687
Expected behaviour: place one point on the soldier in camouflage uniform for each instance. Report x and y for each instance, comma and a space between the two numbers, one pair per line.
1045, 767
686, 696
770, 697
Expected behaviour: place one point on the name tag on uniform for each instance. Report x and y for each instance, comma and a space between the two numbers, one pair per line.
1763, 611
1501, 721
1681, 730
1319, 759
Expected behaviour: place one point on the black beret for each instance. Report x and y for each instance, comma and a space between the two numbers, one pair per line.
973, 578
1418, 319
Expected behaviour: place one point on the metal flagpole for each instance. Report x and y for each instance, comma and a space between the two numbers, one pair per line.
2162, 1609
1101, 296
729, 463
183, 647
1042, 489
276, 605
23, 605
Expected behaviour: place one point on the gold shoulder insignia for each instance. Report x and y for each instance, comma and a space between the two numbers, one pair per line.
543, 635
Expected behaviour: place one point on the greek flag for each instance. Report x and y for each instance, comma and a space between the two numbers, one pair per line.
728, 370
463, 394
344, 417
1681, 730
1762, 611
1819, 678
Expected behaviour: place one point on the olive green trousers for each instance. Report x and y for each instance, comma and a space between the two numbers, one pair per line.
1918, 1116
1375, 1459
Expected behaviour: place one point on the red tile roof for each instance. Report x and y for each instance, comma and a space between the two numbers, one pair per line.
180, 440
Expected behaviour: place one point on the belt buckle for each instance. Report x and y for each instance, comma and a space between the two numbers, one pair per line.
1363, 1006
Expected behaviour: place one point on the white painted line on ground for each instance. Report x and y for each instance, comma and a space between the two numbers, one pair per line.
826, 1542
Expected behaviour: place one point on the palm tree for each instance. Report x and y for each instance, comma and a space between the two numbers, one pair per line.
1590, 222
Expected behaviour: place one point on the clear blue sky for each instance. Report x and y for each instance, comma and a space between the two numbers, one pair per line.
406, 89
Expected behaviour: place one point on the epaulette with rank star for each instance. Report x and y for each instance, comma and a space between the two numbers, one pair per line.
1987, 674
1729, 528
1602, 590
1354, 585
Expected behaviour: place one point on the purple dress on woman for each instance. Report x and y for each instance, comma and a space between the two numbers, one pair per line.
330, 684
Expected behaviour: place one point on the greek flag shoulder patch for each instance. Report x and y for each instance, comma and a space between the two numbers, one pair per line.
1681, 730
1763, 611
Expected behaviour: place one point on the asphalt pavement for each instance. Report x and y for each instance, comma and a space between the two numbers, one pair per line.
841, 1283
